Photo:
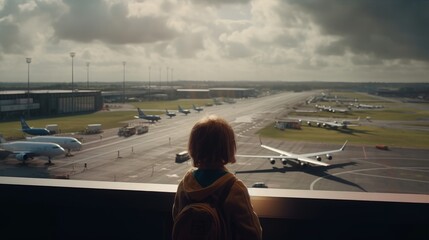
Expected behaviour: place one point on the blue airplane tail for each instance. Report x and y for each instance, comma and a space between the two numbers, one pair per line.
24, 125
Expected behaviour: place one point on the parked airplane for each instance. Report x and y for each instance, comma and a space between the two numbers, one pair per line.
170, 114
152, 118
185, 111
303, 159
367, 106
69, 143
24, 150
331, 109
198, 109
31, 130
330, 124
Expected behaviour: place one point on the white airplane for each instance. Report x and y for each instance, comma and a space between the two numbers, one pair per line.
198, 109
330, 124
331, 109
69, 143
367, 106
303, 159
24, 150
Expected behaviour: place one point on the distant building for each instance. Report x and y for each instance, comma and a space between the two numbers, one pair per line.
216, 93
193, 93
48, 103
284, 124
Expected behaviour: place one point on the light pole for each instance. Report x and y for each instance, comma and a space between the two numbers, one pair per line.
72, 54
149, 83
28, 87
87, 75
123, 84
167, 76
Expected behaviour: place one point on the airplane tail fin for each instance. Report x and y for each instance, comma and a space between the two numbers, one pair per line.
180, 108
2, 140
344, 145
141, 113
24, 125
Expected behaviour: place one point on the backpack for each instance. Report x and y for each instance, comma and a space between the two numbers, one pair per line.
203, 219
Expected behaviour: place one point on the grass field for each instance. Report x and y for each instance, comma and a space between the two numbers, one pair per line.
172, 105
365, 135
391, 111
77, 123
108, 119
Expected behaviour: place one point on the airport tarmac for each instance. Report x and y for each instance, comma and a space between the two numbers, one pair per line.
149, 158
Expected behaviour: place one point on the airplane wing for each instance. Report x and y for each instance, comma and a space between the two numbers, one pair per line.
325, 152
333, 124
303, 159
28, 153
300, 157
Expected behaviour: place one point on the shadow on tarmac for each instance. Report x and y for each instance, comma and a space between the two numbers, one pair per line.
318, 171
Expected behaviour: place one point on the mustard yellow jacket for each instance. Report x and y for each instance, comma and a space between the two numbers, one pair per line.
239, 214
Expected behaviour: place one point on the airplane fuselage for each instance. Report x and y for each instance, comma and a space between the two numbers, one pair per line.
24, 150
69, 143
37, 131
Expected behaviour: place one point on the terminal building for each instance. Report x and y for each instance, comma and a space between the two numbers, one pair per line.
45, 103
216, 92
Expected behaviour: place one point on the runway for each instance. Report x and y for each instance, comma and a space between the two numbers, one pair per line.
149, 158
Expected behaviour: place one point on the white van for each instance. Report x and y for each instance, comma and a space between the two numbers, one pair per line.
182, 156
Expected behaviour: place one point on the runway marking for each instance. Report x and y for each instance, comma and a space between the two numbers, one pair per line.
357, 171
402, 179
364, 152
172, 175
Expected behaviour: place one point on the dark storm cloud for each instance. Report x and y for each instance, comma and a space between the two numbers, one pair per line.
14, 39
11, 40
220, 2
96, 20
385, 29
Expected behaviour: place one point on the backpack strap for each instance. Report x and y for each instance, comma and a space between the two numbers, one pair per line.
225, 191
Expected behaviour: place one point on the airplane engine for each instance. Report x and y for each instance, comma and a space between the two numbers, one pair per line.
272, 161
22, 156
284, 161
318, 158
329, 156
318, 124
309, 123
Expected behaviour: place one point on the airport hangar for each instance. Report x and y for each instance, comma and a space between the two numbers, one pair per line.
45, 103
48, 103
157, 93
216, 92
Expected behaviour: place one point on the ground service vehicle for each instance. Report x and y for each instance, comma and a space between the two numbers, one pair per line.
142, 129
126, 131
93, 128
182, 157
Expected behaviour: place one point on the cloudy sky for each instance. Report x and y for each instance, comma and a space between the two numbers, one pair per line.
287, 40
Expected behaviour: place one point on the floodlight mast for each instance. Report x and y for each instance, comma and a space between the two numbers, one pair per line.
28, 60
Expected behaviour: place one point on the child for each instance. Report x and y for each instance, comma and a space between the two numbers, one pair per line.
211, 146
